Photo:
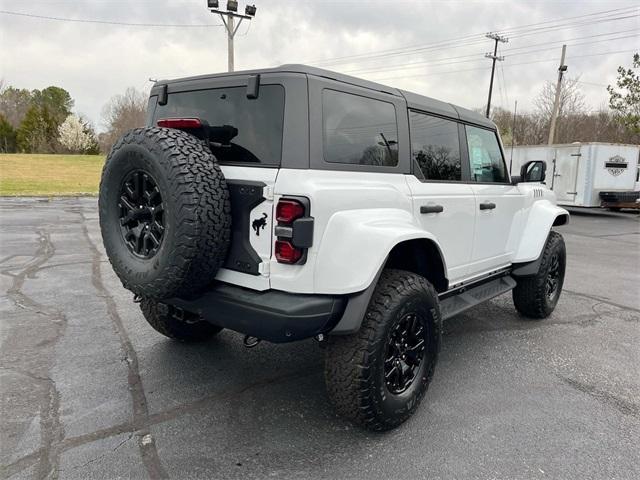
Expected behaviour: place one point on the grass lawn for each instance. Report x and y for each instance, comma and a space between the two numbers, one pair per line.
49, 175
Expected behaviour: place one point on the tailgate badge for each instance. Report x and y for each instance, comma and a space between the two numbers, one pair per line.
259, 224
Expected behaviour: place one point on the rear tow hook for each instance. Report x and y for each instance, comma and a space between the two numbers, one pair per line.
250, 342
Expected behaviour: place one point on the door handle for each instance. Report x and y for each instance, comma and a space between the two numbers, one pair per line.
487, 206
431, 208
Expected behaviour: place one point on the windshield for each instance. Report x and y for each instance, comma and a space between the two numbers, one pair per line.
259, 121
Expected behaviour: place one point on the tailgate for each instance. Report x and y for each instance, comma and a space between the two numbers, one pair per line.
251, 190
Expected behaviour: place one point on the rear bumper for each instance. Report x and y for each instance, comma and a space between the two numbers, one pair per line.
270, 315
620, 199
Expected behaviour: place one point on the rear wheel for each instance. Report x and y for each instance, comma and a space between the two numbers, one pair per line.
175, 323
537, 296
378, 376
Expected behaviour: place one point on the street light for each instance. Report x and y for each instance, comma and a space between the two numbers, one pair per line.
228, 18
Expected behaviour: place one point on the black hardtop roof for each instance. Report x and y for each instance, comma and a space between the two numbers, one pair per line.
414, 100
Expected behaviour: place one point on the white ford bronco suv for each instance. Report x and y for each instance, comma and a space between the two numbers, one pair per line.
293, 203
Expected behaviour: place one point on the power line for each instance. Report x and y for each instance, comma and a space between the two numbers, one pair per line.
509, 31
618, 32
504, 83
435, 47
578, 24
479, 37
466, 58
109, 22
505, 66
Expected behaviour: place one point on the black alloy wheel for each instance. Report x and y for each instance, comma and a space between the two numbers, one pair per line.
141, 214
553, 277
377, 376
404, 354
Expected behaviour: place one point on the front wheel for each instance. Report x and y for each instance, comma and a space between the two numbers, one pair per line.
175, 323
378, 376
537, 296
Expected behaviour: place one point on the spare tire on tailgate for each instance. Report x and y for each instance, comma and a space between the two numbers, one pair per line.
165, 214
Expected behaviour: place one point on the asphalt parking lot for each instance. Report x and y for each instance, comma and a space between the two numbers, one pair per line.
89, 390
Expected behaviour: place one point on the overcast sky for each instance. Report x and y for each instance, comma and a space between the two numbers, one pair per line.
95, 61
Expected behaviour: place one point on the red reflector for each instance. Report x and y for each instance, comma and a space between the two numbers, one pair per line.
287, 253
288, 210
180, 123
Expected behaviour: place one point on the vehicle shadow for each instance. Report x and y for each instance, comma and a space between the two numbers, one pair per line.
265, 411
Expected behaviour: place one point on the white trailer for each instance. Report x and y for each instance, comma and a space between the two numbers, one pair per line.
587, 174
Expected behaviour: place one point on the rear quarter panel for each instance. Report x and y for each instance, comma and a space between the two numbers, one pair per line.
359, 217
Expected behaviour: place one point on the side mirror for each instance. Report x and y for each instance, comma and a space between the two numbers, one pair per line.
533, 171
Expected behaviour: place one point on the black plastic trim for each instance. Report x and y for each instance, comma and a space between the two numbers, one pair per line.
271, 315
163, 96
526, 269
487, 206
356, 309
462, 287
302, 232
431, 208
245, 196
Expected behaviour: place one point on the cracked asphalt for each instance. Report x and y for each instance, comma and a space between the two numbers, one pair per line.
89, 390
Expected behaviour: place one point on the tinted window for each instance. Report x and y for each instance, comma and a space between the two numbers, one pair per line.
259, 122
435, 147
485, 157
359, 130
151, 108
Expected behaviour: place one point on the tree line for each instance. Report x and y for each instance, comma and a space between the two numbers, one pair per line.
617, 122
41, 121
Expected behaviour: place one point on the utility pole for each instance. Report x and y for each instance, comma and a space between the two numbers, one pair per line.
228, 17
556, 102
494, 57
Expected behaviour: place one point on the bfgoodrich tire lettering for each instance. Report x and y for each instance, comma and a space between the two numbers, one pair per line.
196, 212
355, 364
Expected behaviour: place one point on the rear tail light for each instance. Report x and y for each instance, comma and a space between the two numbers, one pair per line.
287, 253
180, 123
289, 210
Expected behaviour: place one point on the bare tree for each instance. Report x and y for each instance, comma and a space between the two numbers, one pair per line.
571, 99
122, 113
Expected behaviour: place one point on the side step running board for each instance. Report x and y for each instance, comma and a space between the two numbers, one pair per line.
456, 304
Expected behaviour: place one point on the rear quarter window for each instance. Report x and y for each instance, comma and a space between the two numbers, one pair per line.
359, 130
259, 121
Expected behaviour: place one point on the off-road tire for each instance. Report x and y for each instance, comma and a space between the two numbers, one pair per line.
197, 212
189, 328
354, 364
530, 294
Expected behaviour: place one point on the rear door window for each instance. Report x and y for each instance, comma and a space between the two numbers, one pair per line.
435, 147
259, 121
359, 130
485, 156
